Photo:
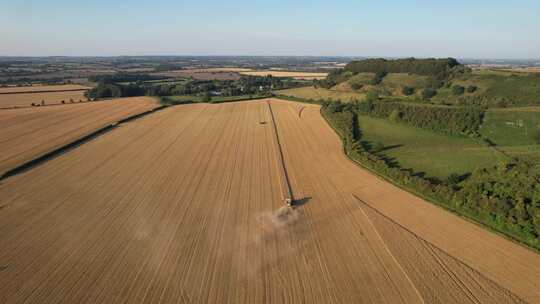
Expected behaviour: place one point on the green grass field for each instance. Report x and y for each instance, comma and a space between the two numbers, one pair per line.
512, 126
320, 93
424, 151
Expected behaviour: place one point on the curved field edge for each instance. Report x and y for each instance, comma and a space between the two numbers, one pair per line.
448, 207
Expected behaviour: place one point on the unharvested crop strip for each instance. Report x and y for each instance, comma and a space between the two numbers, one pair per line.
285, 180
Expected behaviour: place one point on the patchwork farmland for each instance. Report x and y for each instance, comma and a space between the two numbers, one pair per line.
19, 97
24, 100
43, 88
28, 133
186, 205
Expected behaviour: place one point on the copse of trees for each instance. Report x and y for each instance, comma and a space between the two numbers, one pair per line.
104, 90
447, 120
440, 68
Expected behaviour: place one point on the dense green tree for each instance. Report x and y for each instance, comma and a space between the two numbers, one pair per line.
407, 91
428, 93
471, 88
458, 90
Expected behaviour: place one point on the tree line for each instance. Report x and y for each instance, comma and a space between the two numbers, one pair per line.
448, 120
124, 77
505, 197
110, 87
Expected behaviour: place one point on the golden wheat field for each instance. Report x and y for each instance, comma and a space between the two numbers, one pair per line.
31, 132
43, 88
24, 100
186, 206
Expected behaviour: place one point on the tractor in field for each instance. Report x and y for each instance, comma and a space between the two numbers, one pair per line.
289, 202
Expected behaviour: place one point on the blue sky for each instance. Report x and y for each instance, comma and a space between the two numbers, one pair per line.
479, 29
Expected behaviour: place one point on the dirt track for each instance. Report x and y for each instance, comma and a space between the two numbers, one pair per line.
29, 133
184, 206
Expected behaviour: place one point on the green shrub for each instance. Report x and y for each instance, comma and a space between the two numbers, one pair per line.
372, 96
471, 89
356, 86
407, 91
206, 97
458, 90
428, 93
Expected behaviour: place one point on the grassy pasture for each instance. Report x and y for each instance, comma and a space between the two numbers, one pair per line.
517, 88
398, 80
321, 93
512, 126
424, 151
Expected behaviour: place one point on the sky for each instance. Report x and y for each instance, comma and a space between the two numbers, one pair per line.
461, 29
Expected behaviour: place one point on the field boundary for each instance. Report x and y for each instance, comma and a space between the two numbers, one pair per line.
57, 104
428, 242
428, 199
39, 160
36, 92
507, 235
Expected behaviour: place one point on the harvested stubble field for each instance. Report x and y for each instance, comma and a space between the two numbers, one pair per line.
186, 206
43, 88
31, 132
23, 100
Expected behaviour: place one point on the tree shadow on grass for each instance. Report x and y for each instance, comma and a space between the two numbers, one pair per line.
387, 148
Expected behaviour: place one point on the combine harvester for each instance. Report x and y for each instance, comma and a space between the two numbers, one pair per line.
285, 184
